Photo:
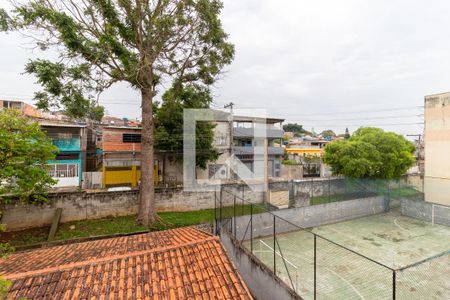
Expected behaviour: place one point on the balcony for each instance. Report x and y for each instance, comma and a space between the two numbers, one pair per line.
273, 133
67, 144
250, 150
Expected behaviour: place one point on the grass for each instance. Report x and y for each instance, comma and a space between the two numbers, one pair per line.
404, 192
337, 198
394, 194
119, 225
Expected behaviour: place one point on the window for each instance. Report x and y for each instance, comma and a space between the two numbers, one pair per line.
220, 140
131, 138
63, 170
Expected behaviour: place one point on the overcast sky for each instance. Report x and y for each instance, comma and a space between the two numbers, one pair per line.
324, 64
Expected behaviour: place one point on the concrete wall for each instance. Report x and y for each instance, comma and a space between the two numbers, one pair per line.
94, 205
309, 216
437, 147
259, 279
100, 204
425, 211
290, 172
413, 180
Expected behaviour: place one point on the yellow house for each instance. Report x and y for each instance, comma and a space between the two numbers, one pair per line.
304, 151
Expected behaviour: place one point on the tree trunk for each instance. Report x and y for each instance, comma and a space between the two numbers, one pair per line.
147, 213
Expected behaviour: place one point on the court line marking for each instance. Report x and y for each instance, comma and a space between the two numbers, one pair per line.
339, 276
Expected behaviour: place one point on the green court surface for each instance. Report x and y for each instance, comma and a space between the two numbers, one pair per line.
392, 240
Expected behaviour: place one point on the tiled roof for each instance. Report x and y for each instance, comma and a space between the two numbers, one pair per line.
182, 263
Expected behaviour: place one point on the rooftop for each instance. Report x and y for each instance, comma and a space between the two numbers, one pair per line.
172, 264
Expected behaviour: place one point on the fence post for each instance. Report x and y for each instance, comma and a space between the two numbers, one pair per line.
274, 246
251, 228
315, 266
243, 198
394, 288
220, 211
215, 212
234, 216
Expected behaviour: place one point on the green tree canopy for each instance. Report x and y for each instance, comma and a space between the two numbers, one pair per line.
169, 123
297, 129
328, 133
24, 152
370, 153
66, 87
142, 43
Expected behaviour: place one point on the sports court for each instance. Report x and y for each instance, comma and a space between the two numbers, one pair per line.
418, 252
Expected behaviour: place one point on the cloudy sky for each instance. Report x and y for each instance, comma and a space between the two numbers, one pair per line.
324, 64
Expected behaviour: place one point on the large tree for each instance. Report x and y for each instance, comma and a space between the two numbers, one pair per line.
370, 153
141, 42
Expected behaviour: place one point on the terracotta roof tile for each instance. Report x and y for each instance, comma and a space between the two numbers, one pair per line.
175, 264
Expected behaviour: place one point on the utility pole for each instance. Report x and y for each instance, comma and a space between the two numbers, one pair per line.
266, 167
230, 120
420, 155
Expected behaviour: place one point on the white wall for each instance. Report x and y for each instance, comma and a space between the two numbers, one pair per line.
437, 148
67, 181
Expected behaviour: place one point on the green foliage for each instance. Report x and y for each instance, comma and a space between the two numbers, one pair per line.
4, 20
169, 123
122, 225
5, 250
296, 129
123, 40
24, 152
370, 153
290, 162
328, 133
65, 87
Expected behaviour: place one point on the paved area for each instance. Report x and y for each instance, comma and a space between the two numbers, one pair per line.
392, 240
183, 263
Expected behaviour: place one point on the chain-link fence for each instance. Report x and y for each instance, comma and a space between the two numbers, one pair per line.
317, 267
428, 279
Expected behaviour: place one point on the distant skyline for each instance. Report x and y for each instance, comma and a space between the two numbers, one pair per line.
322, 64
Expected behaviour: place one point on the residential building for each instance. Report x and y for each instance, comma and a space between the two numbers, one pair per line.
308, 152
121, 153
70, 162
306, 146
121, 150
437, 148
24, 108
244, 142
75, 142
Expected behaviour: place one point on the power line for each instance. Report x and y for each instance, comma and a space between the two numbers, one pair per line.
363, 125
357, 112
364, 118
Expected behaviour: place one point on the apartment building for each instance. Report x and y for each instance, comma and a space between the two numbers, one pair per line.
244, 142
70, 162
437, 148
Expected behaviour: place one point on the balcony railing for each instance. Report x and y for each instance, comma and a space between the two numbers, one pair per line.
249, 132
238, 150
